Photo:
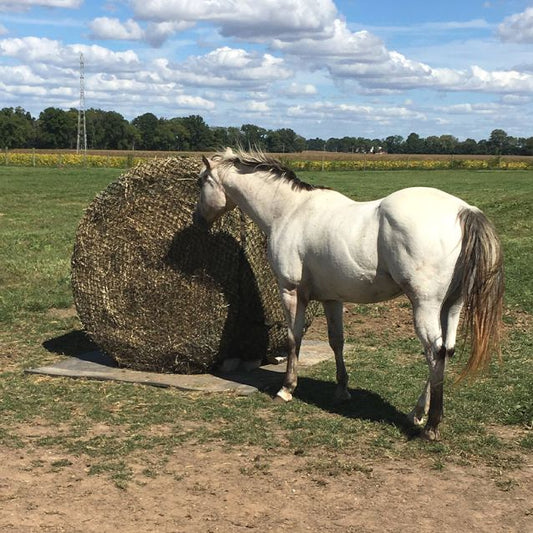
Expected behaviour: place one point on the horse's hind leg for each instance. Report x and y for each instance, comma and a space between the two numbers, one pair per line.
429, 331
449, 320
333, 311
450, 314
294, 306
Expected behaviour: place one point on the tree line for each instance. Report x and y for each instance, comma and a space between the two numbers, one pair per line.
108, 130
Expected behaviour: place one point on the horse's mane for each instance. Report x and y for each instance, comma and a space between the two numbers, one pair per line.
257, 160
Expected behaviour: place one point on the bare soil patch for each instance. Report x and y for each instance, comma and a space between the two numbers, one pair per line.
207, 488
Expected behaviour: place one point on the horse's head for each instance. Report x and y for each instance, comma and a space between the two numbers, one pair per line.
213, 201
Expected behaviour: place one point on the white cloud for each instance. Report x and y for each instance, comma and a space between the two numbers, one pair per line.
228, 67
24, 5
194, 102
20, 75
490, 108
244, 18
52, 52
336, 42
362, 58
112, 28
295, 90
504, 81
156, 33
257, 107
353, 112
517, 28
516, 99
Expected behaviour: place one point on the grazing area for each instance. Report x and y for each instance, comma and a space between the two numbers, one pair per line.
93, 456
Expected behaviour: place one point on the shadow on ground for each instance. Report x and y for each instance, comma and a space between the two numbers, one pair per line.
364, 404
74, 344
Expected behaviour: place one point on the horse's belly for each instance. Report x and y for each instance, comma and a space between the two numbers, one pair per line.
357, 289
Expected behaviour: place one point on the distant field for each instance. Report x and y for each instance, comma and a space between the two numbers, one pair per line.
311, 155
308, 160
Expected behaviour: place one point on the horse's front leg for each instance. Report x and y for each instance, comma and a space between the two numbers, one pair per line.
421, 409
294, 306
334, 311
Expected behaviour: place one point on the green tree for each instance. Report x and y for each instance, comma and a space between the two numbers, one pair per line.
106, 130
315, 144
200, 135
57, 128
468, 146
253, 136
347, 144
146, 125
414, 144
16, 128
220, 137
527, 146
394, 144
498, 142
234, 137
180, 133
332, 144
132, 138
448, 144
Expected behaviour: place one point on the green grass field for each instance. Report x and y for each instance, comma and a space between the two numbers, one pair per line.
39, 212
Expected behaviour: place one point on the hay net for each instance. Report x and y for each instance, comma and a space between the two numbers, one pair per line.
159, 294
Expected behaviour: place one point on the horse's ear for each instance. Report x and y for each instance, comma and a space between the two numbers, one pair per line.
205, 161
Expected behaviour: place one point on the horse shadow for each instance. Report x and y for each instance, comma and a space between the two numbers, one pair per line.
363, 405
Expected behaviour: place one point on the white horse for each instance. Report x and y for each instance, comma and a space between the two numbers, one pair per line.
435, 248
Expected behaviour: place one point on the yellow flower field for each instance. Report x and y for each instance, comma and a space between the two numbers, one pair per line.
127, 160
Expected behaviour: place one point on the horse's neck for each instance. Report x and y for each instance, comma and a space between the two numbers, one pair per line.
263, 198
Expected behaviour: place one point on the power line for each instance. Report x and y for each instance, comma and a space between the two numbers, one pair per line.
81, 143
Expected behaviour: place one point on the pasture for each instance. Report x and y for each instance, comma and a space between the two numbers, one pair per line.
126, 442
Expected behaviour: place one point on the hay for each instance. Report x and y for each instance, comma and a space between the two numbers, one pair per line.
159, 294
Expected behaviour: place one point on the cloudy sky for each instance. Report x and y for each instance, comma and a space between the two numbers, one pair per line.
324, 68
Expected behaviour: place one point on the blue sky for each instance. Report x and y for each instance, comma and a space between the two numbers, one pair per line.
321, 67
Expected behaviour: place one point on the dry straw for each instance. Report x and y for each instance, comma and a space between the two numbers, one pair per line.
157, 293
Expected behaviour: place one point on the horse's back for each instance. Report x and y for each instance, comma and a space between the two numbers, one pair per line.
422, 202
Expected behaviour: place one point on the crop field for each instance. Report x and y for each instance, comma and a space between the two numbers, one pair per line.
304, 161
124, 437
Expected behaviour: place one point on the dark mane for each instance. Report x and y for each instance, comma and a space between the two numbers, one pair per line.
258, 160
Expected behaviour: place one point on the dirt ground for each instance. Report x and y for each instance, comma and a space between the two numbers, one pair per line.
207, 489
212, 488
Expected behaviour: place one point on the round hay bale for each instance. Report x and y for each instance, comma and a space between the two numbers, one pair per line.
159, 294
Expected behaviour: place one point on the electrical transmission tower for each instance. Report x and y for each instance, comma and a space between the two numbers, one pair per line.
81, 143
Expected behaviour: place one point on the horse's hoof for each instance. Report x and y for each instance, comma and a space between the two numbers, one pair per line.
414, 419
283, 396
430, 434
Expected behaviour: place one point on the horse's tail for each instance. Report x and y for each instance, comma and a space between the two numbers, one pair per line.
481, 263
